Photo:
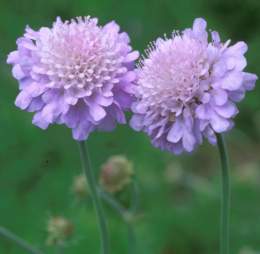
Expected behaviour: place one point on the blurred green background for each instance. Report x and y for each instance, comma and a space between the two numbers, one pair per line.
179, 210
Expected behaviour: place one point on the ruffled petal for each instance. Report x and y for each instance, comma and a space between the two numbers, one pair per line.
18, 73
136, 122
188, 141
176, 132
40, 121
228, 110
249, 80
231, 81
23, 100
96, 112
220, 96
219, 124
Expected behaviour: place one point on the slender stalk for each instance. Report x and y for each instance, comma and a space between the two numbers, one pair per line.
5, 233
132, 242
135, 196
94, 192
60, 248
126, 215
225, 202
111, 201
131, 239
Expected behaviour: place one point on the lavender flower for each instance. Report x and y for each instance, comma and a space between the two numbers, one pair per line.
76, 73
188, 87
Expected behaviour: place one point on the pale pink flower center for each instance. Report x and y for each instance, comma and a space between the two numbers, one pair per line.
173, 72
78, 55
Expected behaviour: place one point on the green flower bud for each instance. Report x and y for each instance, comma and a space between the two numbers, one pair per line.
80, 186
116, 173
59, 230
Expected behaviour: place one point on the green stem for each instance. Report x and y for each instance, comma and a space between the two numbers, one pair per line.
94, 192
111, 201
225, 203
135, 196
60, 248
19, 241
131, 239
125, 215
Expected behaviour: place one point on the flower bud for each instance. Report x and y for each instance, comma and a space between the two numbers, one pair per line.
116, 173
59, 230
80, 186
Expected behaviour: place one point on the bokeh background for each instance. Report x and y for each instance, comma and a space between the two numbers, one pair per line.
179, 210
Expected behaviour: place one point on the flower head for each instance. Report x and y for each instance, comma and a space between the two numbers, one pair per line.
75, 73
188, 87
116, 173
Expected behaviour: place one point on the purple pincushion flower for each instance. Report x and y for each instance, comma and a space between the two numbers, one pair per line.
76, 73
188, 87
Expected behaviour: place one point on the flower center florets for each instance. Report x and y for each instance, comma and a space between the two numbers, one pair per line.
173, 72
78, 55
